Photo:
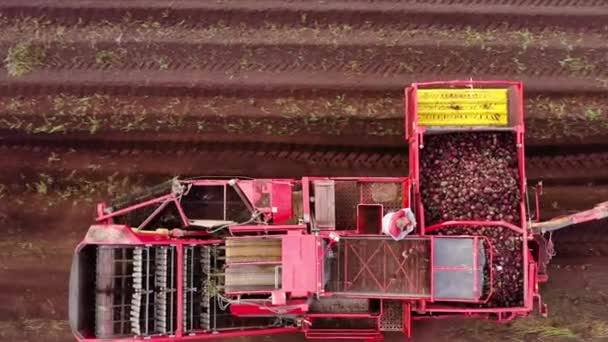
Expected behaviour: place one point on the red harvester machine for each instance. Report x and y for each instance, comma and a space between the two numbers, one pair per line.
203, 259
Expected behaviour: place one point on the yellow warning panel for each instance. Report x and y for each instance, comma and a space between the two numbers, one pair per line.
463, 107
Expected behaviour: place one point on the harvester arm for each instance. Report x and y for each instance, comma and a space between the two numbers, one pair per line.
599, 212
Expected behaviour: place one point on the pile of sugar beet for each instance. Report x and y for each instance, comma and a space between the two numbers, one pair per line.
474, 176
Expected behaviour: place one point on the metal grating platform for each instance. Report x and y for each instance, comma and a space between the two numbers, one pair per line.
381, 266
340, 305
392, 315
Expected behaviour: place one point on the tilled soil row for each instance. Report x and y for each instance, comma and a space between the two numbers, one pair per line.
281, 55
118, 50
458, 58
342, 117
315, 104
583, 14
186, 82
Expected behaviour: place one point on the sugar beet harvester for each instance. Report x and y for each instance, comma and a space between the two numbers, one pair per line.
333, 258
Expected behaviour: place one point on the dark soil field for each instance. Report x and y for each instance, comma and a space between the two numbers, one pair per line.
101, 98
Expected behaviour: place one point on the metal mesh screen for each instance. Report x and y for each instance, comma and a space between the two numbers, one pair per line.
340, 305
347, 198
389, 194
392, 315
114, 283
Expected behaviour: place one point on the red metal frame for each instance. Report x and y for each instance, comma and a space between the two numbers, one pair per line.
407, 319
306, 182
124, 235
102, 216
300, 276
265, 229
473, 223
343, 334
415, 136
277, 195
304, 250
200, 337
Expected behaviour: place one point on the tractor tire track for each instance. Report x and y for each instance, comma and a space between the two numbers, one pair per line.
568, 168
174, 83
585, 239
260, 159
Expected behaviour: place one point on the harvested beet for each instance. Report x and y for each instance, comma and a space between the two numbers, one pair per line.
475, 176
470, 176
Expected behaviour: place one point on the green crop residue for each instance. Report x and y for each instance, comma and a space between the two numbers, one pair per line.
593, 114
23, 58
